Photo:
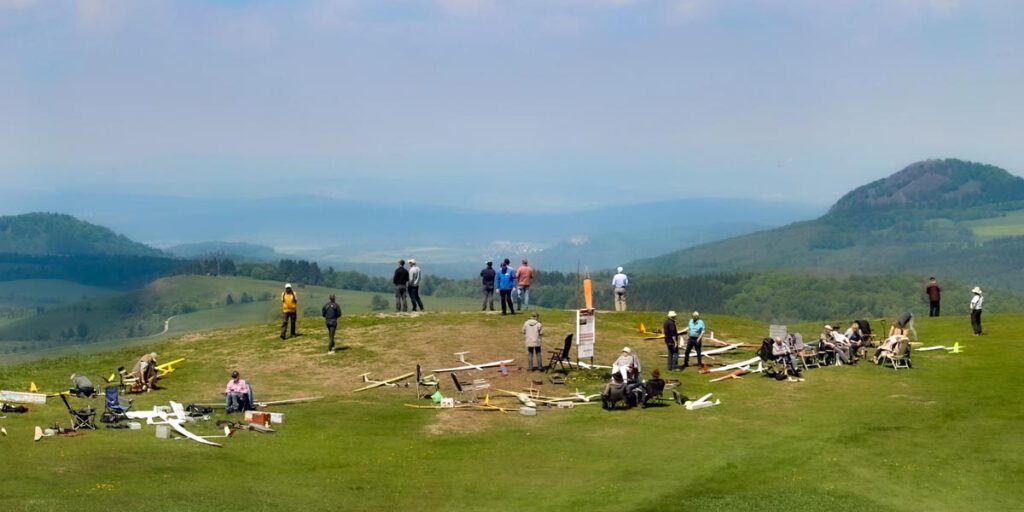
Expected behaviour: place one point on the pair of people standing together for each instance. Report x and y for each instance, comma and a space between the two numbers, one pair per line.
694, 340
407, 286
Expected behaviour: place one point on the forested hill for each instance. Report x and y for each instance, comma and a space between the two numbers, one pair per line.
48, 234
929, 218
56, 246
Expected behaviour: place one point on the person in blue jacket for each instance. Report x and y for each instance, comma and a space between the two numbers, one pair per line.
506, 281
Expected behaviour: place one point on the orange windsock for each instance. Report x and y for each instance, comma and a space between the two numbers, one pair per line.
588, 293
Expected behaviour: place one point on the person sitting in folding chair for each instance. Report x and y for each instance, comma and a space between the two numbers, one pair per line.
82, 386
627, 365
614, 392
237, 394
837, 343
653, 387
782, 352
888, 348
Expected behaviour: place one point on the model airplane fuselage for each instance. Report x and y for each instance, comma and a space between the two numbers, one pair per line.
470, 366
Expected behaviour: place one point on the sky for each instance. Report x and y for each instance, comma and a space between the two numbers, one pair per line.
546, 105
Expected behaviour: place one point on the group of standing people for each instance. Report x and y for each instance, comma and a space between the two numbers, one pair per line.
407, 286
695, 330
506, 280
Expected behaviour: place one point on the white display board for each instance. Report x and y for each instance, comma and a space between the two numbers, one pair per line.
586, 329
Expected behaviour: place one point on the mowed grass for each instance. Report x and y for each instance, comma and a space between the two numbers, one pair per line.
945, 435
1011, 224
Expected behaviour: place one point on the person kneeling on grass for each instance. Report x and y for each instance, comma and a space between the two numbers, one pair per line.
236, 394
82, 386
780, 349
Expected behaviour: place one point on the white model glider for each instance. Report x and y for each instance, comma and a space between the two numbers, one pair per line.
174, 418
742, 365
720, 350
701, 403
471, 366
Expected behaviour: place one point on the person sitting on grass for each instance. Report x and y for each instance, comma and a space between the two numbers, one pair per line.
614, 391
236, 394
82, 386
791, 367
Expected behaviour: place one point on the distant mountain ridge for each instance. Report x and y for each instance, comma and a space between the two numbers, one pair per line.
921, 220
46, 234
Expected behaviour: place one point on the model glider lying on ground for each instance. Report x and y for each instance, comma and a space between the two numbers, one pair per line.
175, 419
701, 403
481, 406
471, 366
742, 365
721, 350
392, 382
955, 349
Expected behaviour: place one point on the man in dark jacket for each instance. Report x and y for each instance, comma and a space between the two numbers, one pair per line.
401, 281
331, 313
671, 341
487, 276
934, 296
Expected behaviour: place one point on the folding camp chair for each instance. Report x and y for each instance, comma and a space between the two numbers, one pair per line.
561, 357
463, 389
80, 418
654, 392
425, 381
113, 405
777, 330
900, 358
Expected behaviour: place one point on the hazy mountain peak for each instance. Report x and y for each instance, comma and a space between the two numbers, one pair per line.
936, 183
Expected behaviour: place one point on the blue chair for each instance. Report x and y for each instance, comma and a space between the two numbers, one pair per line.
113, 404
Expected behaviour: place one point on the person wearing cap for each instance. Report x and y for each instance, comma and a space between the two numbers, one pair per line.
290, 309
81, 386
236, 394
836, 342
671, 340
976, 303
524, 278
533, 330
415, 275
506, 280
331, 313
934, 294
487, 277
694, 339
145, 371
401, 282
619, 284
627, 365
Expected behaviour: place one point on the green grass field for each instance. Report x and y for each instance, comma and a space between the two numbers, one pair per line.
1011, 224
945, 435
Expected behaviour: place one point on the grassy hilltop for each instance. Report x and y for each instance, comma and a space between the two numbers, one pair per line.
943, 436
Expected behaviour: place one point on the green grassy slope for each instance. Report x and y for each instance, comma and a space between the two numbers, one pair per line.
32, 292
943, 436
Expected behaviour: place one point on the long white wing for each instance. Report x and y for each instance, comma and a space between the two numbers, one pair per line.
479, 367
735, 366
176, 425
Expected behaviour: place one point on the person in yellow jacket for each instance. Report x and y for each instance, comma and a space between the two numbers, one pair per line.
290, 308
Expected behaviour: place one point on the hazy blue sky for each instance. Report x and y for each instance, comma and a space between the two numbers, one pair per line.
497, 104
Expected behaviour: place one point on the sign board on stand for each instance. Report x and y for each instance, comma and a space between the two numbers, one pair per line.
585, 333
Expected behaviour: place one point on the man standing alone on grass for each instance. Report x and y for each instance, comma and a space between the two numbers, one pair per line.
415, 275
401, 281
487, 276
534, 332
331, 313
671, 340
694, 339
524, 278
976, 303
619, 284
290, 308
934, 296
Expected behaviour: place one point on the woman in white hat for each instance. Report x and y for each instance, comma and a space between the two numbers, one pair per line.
976, 302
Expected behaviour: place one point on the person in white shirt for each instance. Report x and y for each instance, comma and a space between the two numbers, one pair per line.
627, 365
619, 284
976, 303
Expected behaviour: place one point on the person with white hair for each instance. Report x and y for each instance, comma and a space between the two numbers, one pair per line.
619, 284
627, 365
694, 339
976, 303
415, 275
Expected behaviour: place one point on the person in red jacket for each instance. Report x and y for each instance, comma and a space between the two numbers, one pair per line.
524, 278
934, 296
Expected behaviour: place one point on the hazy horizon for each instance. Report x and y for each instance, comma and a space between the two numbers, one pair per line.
551, 105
